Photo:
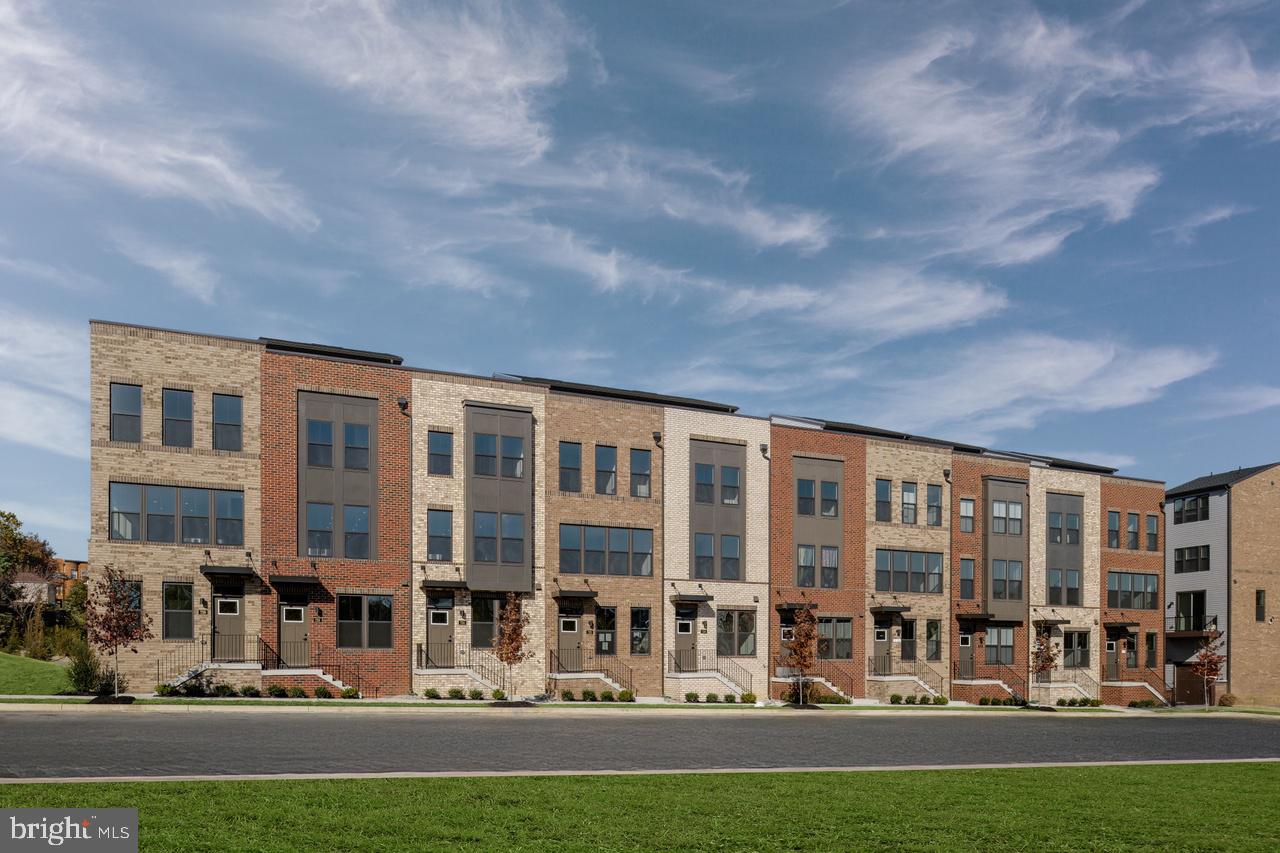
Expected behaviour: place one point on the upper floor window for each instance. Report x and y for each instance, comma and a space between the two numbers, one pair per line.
228, 422
966, 515
704, 555
1058, 593
806, 571
1194, 508
171, 513
884, 511
320, 444
126, 412
319, 530
440, 534
1006, 579
1153, 532
642, 552
730, 557
606, 470
619, 560
730, 485
1055, 528
999, 516
933, 502
355, 532
1192, 559
1132, 590
805, 497
355, 447
641, 472
908, 571
1015, 518
570, 466
177, 418
513, 537
704, 483
440, 453
830, 567
162, 513
830, 499
1073, 528
485, 535
966, 578
486, 454
1113, 529
228, 515
571, 548
908, 503
1131, 540
194, 504
513, 457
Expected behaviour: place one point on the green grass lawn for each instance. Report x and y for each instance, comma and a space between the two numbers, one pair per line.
24, 675
1171, 807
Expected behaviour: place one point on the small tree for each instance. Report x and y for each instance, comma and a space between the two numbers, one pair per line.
20, 552
510, 648
75, 602
801, 649
1207, 664
1044, 655
114, 618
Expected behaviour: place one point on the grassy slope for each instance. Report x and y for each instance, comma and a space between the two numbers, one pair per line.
24, 675
1184, 807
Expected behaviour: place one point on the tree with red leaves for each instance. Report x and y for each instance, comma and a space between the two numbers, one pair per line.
801, 655
1044, 654
114, 618
1207, 664
510, 648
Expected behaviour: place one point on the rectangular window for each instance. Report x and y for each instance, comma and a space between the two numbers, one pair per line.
641, 643
513, 537
642, 553
484, 621
1073, 528
606, 470
355, 447
933, 498
570, 466
484, 548
440, 453
704, 483
966, 515
513, 457
228, 422
1055, 594
1131, 590
805, 497
1006, 579
619, 556
1191, 509
593, 549
1015, 518
884, 510
830, 567
1191, 559
933, 569
570, 549
730, 558
194, 506
908, 503
178, 623
319, 530
1073, 588
730, 485
1131, 529
1015, 580
1260, 605
641, 473
1075, 649
606, 630
933, 640
440, 535
486, 454
999, 516
704, 555
355, 532
913, 571
908, 639
835, 639
126, 512
883, 570
126, 412
133, 596
320, 444
806, 572
364, 621
966, 579
228, 512
917, 571
1055, 528
735, 633
1000, 645
1113, 529
1153, 532
901, 572
830, 499
162, 512
177, 418
351, 621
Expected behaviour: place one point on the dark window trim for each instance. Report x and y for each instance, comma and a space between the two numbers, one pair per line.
365, 622
165, 419
135, 418
439, 464
141, 522
239, 424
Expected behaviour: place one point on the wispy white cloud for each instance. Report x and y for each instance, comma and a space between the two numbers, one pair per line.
1237, 401
1119, 461
1185, 230
189, 272
44, 421
59, 276
708, 83
43, 393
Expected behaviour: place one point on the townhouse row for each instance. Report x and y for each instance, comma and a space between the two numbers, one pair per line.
298, 514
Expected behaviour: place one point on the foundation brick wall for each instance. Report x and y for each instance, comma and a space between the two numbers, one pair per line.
1255, 564
1145, 498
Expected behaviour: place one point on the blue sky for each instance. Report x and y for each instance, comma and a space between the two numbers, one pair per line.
1049, 228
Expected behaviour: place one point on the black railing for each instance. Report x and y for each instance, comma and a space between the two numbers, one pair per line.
1016, 683
183, 659
691, 660
1192, 623
437, 656
963, 669
839, 673
482, 662
486, 664
584, 660
234, 648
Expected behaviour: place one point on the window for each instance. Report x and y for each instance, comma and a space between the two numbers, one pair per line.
704, 483
1260, 605
1192, 559
606, 630
903, 571
1000, 645
355, 447
1015, 518
805, 571
917, 571
364, 621
486, 454
440, 453
736, 633
966, 515
440, 535
1131, 652
1113, 529
484, 621
1073, 588
1151, 649
884, 511
1191, 509
908, 503
730, 558
704, 555
933, 640
640, 631
355, 532
320, 444
319, 530
1131, 540
966, 578
570, 466
835, 639
485, 533
126, 412
1153, 532
908, 646
162, 511
805, 497
830, 567
512, 537
606, 470
513, 457
1006, 579
178, 624
933, 568
1055, 595
1073, 528
641, 473
228, 513
642, 553
228, 422
730, 485
999, 516
1055, 528
194, 504
570, 549
133, 595
177, 418
1075, 649
1130, 590
594, 538
830, 499
933, 499
619, 557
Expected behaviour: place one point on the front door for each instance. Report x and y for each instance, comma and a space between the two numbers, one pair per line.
966, 655
228, 625
882, 647
1113, 658
440, 632
686, 650
1190, 611
569, 639
295, 649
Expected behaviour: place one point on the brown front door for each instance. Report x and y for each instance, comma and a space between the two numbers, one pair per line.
228, 625
1113, 658
295, 648
966, 656
569, 638
686, 650
440, 617
1188, 688
882, 647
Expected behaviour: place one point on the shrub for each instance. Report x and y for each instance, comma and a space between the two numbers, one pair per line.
940, 700
476, 693
66, 640
85, 672
456, 693
627, 696
713, 699
895, 699
606, 695
566, 695
588, 695
1097, 703
249, 691
984, 700
691, 697
161, 690
107, 685
499, 694
730, 698
1226, 700
276, 691
349, 693
201, 685
33, 640
1062, 703
431, 693
223, 690
748, 698
323, 692
910, 700
296, 692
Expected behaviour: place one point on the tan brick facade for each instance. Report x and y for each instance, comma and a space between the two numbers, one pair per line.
1255, 565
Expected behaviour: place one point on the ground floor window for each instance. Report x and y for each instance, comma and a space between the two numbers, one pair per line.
1131, 652
835, 638
1151, 649
933, 640
484, 620
1000, 645
364, 621
1075, 649
736, 633
177, 612
908, 639
606, 630
640, 636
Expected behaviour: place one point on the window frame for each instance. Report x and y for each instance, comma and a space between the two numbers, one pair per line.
166, 631
318, 449
811, 566
884, 506
1133, 539
1153, 535
933, 505
433, 539
704, 491
238, 423
439, 461
640, 475
602, 632
1075, 649
351, 431
967, 592
365, 622
1113, 528
166, 419
643, 634
113, 412
504, 538
829, 635
730, 495
824, 551
511, 465
608, 470
806, 504
484, 464
570, 475
909, 507
966, 519
350, 517
320, 530
738, 634
1000, 651
899, 573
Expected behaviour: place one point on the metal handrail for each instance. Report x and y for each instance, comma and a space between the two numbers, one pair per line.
437, 656
883, 665
1192, 623
834, 670
487, 665
583, 660
184, 658
691, 660
1017, 683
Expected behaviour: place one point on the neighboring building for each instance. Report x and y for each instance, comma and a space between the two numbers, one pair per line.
71, 572
33, 588
1220, 565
